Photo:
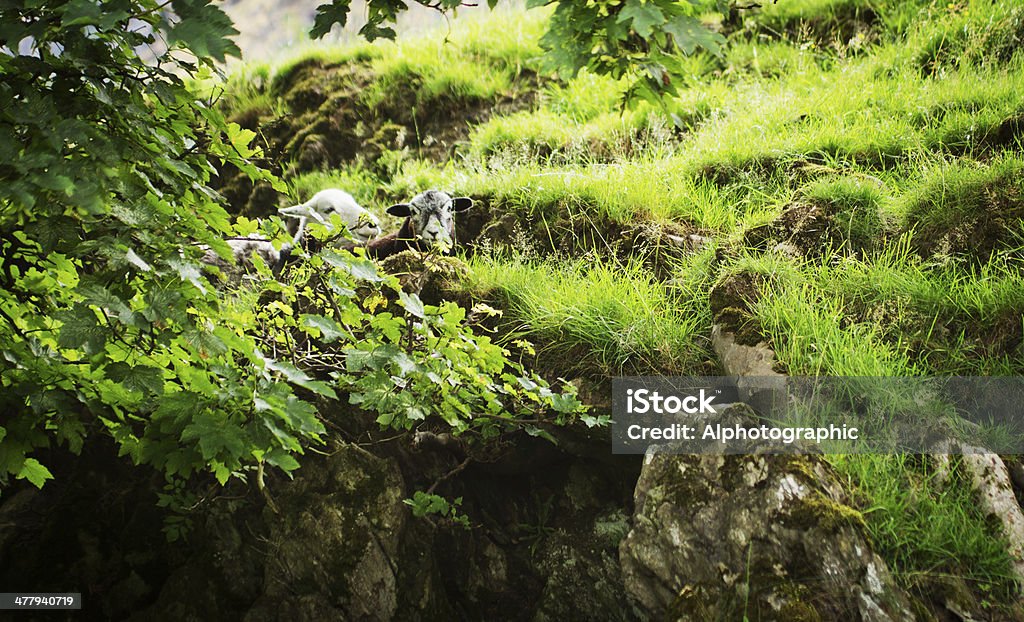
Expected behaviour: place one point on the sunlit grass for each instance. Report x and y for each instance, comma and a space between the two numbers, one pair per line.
925, 528
596, 317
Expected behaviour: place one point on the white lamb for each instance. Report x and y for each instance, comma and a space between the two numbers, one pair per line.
362, 225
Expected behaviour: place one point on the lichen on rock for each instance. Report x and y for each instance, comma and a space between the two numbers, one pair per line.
768, 537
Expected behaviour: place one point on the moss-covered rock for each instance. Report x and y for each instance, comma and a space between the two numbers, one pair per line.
968, 213
333, 120
756, 536
839, 214
732, 300
329, 552
433, 277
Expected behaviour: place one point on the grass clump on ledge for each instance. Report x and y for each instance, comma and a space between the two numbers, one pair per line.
925, 529
595, 317
969, 211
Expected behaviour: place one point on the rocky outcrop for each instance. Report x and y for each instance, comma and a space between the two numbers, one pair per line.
766, 537
328, 554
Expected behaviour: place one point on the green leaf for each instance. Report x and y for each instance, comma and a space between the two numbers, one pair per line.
415, 413
215, 435
34, 472
286, 440
204, 29
327, 15
81, 12
80, 330
358, 267
146, 380
132, 258
689, 34
540, 433
596, 421
324, 327
644, 16
412, 304
564, 403
103, 298
282, 460
221, 472
298, 377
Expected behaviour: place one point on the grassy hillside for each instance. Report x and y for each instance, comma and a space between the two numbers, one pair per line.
859, 161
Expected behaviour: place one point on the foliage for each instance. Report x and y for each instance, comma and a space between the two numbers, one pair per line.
634, 39
925, 527
638, 40
426, 504
108, 323
402, 359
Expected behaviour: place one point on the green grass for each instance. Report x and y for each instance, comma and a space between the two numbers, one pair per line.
986, 33
357, 182
596, 317
965, 209
828, 18
890, 315
924, 528
624, 193
478, 59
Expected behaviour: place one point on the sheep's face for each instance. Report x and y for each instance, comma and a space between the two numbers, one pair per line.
431, 216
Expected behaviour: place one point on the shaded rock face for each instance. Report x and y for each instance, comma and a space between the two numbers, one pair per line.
544, 545
769, 537
343, 546
334, 550
732, 299
329, 554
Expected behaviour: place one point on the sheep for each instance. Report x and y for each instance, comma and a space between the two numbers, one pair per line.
429, 223
242, 250
361, 224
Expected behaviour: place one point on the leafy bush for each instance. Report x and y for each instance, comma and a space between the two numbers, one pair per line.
108, 323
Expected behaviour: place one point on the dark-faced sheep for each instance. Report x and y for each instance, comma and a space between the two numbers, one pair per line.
429, 223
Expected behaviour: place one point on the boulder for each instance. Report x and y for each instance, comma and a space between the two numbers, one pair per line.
755, 536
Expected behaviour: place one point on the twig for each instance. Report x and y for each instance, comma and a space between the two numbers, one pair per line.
462, 465
262, 487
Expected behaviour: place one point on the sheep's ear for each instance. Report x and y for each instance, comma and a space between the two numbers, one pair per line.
297, 211
402, 210
302, 211
461, 204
